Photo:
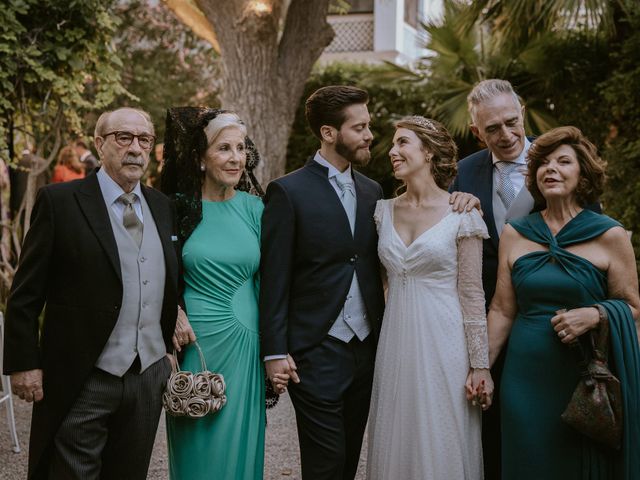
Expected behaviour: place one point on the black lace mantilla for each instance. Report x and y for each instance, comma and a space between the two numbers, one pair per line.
185, 143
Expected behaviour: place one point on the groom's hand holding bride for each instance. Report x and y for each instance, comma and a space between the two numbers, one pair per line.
279, 371
479, 387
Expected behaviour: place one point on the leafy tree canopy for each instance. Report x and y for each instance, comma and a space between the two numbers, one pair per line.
57, 62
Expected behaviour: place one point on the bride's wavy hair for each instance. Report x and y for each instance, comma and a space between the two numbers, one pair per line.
437, 140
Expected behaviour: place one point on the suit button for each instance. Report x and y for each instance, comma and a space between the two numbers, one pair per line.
352, 260
116, 307
144, 282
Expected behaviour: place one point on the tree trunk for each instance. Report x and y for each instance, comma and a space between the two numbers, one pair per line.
267, 53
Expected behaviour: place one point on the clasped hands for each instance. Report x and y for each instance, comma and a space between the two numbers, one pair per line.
280, 371
479, 387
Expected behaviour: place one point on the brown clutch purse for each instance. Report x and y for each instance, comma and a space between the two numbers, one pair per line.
595, 409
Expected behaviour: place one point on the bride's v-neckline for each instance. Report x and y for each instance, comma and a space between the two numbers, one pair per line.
448, 212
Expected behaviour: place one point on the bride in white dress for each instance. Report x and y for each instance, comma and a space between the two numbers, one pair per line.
432, 357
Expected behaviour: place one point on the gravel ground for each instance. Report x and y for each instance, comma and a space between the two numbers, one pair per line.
282, 460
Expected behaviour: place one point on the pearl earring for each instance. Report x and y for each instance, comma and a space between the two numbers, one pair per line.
202, 167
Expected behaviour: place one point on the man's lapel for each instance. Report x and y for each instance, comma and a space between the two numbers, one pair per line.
330, 196
162, 219
92, 204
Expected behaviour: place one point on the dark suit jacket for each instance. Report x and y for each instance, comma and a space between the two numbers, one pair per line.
475, 176
70, 265
309, 256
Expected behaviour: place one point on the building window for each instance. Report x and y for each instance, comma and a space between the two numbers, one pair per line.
412, 12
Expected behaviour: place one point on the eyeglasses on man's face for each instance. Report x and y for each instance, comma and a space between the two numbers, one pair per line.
124, 139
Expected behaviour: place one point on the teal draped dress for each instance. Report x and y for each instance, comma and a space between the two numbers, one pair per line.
541, 373
221, 260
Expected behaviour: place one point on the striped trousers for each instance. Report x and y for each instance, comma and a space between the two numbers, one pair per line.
110, 430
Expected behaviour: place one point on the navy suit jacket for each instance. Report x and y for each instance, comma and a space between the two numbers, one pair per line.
309, 256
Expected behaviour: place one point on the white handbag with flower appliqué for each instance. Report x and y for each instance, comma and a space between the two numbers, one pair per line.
193, 394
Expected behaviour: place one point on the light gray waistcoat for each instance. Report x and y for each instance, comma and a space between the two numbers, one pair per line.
521, 206
137, 331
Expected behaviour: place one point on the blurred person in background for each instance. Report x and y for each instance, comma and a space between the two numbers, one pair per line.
88, 160
68, 167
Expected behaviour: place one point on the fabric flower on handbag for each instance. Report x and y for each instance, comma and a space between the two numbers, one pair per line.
172, 404
218, 386
196, 407
181, 384
216, 403
202, 385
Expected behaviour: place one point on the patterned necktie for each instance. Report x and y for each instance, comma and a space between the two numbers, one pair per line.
348, 197
506, 189
130, 219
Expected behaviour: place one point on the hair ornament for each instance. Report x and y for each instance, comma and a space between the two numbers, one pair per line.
422, 122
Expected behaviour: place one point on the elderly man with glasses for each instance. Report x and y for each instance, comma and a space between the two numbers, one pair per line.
100, 258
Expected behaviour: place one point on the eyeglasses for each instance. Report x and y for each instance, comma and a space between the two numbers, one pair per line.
124, 139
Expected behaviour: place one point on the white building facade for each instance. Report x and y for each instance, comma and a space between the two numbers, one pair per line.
377, 30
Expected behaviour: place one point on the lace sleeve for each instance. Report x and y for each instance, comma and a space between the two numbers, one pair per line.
472, 225
471, 298
377, 214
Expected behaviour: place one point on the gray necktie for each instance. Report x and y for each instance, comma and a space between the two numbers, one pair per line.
348, 198
130, 219
506, 189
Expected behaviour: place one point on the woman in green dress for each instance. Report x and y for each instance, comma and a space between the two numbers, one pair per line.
206, 154
563, 258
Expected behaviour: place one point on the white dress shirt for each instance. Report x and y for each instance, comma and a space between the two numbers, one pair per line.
111, 191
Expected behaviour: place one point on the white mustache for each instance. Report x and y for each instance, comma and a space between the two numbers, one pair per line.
133, 160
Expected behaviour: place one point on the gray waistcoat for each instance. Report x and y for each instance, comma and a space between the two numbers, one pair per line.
521, 206
137, 331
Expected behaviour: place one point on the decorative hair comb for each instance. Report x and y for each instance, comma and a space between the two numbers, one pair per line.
422, 122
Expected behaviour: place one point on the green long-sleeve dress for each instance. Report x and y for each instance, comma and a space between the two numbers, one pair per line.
221, 261
541, 373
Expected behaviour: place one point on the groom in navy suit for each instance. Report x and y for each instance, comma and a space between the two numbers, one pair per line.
496, 175
321, 297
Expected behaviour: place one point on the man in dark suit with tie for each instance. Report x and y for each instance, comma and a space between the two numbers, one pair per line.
321, 297
100, 258
496, 175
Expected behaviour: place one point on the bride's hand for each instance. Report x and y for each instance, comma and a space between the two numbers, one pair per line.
479, 387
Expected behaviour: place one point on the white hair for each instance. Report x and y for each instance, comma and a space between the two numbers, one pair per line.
486, 90
219, 123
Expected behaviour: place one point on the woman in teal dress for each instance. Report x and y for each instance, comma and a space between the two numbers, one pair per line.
563, 257
206, 154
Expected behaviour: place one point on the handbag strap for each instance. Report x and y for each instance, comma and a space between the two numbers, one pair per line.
175, 367
598, 341
600, 336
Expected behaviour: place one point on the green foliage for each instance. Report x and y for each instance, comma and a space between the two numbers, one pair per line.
620, 94
518, 22
164, 63
57, 62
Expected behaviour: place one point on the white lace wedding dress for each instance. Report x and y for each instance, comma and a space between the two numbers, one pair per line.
421, 426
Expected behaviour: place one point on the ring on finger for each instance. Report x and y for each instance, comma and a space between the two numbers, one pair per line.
562, 333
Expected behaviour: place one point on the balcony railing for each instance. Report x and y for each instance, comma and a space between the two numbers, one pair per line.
354, 33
